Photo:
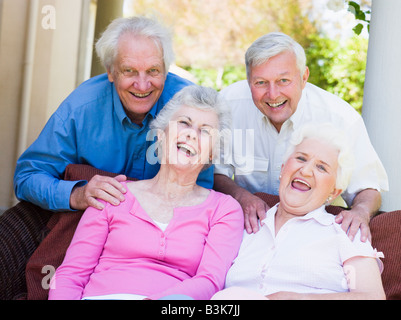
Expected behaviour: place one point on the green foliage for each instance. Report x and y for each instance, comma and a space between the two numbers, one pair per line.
338, 66
360, 15
210, 77
211, 38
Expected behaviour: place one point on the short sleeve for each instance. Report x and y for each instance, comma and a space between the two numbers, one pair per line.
356, 248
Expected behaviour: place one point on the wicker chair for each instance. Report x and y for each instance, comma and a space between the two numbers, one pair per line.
22, 229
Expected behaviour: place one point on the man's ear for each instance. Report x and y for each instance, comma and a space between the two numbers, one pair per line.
305, 77
110, 75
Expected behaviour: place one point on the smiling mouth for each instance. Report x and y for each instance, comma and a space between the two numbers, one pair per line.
276, 105
141, 95
188, 150
300, 185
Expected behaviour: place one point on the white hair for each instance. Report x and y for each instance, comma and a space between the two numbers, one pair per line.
270, 45
107, 45
201, 98
328, 133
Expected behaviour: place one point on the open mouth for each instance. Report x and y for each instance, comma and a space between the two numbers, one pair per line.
141, 95
276, 105
301, 185
188, 150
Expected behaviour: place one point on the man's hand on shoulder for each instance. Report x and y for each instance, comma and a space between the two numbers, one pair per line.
254, 209
99, 187
365, 205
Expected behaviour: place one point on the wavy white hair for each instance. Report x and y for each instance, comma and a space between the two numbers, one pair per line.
107, 45
201, 98
270, 45
328, 133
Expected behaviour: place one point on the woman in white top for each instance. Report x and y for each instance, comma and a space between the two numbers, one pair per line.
300, 252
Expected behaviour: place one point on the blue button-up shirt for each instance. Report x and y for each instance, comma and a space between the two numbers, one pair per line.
90, 127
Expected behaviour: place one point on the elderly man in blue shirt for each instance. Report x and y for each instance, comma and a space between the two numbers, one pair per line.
105, 122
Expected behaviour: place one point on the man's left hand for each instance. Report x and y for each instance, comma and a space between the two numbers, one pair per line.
353, 220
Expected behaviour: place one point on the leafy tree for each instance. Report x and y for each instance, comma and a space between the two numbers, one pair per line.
211, 36
338, 66
361, 15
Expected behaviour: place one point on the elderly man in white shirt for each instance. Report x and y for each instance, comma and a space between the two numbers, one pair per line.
266, 109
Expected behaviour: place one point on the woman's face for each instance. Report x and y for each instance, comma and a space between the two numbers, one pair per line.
308, 177
191, 137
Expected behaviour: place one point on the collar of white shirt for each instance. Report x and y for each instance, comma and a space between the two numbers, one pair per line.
297, 118
319, 214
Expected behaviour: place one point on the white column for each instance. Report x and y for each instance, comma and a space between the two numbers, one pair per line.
382, 93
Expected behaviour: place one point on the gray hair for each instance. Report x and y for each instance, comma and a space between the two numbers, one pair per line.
270, 45
107, 45
201, 98
328, 133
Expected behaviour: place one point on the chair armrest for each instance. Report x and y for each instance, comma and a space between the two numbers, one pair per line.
22, 228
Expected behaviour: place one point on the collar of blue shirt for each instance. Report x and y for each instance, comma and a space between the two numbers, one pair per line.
119, 109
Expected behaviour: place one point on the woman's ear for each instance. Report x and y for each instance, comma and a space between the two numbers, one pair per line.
160, 135
160, 138
282, 166
335, 194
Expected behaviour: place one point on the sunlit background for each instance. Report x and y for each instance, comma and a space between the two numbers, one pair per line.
211, 38
46, 51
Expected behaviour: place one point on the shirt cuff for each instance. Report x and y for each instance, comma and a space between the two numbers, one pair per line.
63, 194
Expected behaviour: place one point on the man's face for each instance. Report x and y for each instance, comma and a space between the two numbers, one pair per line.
276, 87
138, 75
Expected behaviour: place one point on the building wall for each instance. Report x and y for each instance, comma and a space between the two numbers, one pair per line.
33, 85
13, 25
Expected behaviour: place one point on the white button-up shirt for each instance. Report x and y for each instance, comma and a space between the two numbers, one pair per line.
256, 150
306, 256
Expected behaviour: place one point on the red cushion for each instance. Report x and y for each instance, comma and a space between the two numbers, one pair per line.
386, 237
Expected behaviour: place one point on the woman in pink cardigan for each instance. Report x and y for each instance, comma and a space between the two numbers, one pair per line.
170, 236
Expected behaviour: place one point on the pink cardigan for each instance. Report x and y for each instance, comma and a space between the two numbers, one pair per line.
121, 250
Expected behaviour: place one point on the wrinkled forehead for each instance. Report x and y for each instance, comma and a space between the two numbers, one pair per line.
319, 149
